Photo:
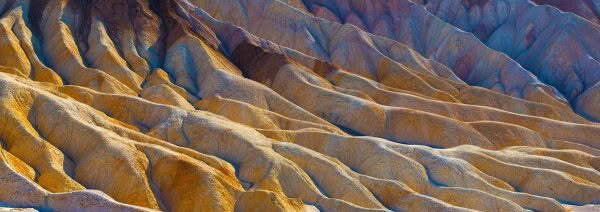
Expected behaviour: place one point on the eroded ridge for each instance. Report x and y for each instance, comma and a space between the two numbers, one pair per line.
204, 106
560, 48
557, 47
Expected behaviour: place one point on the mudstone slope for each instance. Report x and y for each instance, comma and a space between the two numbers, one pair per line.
290, 105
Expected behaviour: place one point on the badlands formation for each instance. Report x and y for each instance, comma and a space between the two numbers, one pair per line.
299, 105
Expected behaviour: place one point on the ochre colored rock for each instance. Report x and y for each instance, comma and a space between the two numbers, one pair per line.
261, 200
298, 105
164, 94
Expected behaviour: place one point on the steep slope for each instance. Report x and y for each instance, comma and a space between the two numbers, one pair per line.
409, 24
534, 36
588, 9
560, 48
209, 106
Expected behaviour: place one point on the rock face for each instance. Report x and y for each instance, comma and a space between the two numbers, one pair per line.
290, 105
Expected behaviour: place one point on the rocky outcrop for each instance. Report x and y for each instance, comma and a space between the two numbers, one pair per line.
258, 105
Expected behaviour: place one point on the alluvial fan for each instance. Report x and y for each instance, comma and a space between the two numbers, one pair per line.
299, 105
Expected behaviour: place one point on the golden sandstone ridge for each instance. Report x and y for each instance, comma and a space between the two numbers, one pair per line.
297, 105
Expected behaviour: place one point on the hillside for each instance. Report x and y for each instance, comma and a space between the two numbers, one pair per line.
299, 105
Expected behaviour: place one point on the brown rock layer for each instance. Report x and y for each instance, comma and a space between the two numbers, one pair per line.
207, 105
